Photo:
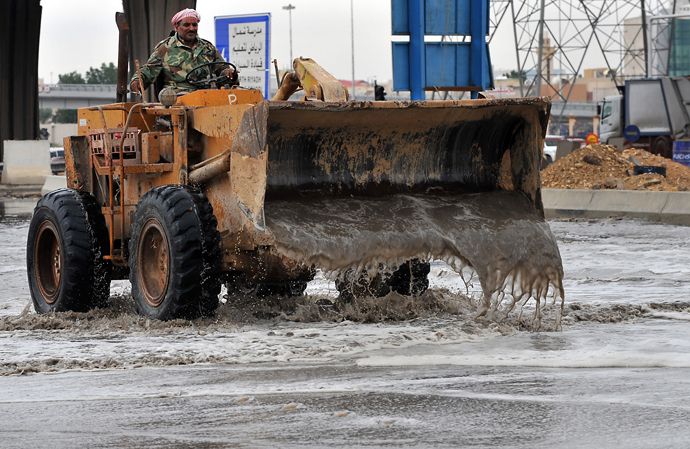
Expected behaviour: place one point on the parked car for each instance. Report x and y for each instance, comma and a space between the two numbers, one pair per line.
550, 147
57, 160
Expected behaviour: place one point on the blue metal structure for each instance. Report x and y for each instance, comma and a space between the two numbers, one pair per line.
461, 66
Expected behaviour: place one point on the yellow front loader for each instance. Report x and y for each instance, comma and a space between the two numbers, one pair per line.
220, 185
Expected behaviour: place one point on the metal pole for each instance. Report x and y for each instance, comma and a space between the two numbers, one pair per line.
352, 22
122, 57
478, 28
644, 38
517, 50
541, 49
289, 8
417, 57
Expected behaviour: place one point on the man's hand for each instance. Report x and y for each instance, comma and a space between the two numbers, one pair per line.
230, 72
135, 87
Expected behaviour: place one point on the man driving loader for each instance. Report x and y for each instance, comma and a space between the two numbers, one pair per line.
174, 58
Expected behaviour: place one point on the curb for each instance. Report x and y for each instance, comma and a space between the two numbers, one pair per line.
20, 191
664, 207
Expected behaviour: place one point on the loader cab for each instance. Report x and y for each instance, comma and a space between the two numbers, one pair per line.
611, 121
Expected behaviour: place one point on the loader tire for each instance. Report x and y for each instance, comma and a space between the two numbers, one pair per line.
66, 244
172, 256
411, 279
211, 254
351, 288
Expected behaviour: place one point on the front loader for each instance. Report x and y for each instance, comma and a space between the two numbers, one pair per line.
220, 185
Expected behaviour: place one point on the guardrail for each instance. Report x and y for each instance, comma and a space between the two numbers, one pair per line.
55, 88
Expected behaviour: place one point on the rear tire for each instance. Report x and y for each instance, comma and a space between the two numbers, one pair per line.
410, 279
351, 288
173, 259
66, 244
663, 147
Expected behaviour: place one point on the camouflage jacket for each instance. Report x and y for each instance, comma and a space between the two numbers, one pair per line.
172, 60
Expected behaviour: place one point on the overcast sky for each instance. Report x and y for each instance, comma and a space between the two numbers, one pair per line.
79, 34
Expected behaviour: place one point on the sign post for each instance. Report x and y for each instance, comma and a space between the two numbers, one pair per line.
245, 42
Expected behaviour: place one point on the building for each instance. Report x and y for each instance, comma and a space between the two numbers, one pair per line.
679, 58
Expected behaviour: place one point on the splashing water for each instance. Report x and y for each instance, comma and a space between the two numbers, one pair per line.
500, 235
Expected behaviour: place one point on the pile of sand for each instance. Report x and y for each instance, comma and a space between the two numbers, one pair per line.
606, 167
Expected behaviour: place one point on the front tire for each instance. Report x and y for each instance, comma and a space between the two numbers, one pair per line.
173, 259
66, 244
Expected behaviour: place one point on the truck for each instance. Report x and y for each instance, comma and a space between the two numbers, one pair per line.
658, 109
223, 186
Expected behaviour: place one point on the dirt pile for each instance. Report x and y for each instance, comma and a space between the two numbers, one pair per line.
606, 167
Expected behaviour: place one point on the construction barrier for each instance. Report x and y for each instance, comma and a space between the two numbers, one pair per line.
681, 152
26, 161
53, 183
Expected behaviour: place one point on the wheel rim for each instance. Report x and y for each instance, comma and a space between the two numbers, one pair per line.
153, 260
48, 261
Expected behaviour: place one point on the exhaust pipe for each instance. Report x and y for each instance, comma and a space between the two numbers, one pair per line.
122, 57
205, 171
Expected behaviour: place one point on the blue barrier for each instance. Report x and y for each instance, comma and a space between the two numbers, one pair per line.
681, 152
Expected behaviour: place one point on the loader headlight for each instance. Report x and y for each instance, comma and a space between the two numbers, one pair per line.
168, 96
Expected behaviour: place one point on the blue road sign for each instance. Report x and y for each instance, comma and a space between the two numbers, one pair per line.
632, 133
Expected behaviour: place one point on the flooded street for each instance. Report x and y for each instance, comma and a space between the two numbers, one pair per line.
616, 374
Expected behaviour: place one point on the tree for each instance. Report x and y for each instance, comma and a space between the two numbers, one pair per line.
71, 78
107, 74
66, 116
514, 74
45, 115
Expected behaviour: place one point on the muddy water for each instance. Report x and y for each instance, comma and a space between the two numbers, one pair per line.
498, 235
14, 217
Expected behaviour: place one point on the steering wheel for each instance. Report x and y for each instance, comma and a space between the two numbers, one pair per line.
212, 81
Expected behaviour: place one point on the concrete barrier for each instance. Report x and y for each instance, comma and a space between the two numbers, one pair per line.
59, 131
666, 207
26, 161
53, 183
564, 148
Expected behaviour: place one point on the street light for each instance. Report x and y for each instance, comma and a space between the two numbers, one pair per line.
289, 9
352, 23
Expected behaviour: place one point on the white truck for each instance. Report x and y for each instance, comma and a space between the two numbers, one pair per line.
658, 107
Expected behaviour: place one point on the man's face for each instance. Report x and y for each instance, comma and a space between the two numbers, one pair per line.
187, 29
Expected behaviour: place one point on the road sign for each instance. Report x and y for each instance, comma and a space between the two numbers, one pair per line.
245, 41
632, 133
591, 139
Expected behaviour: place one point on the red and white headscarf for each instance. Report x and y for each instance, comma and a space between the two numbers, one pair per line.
184, 14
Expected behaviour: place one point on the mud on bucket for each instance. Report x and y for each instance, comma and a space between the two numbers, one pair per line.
681, 152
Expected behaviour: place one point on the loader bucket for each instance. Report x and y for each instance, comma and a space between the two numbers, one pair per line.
368, 185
